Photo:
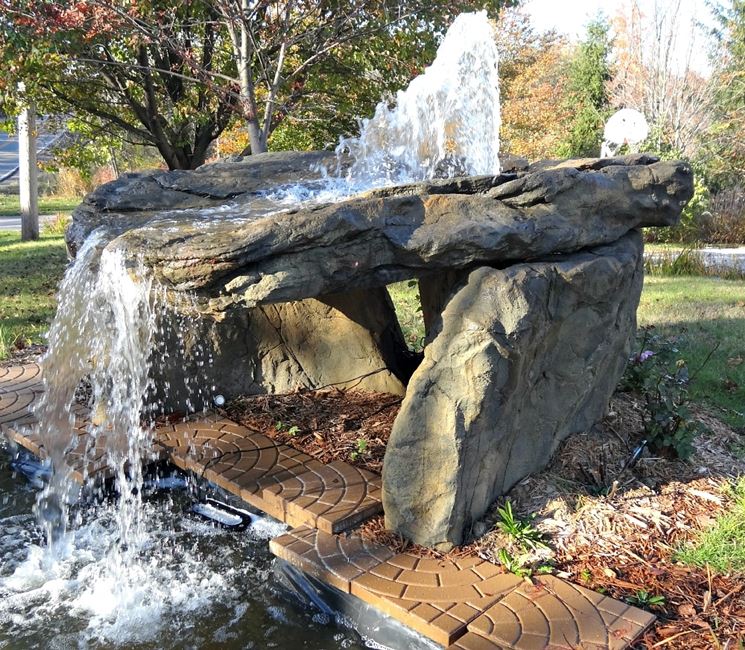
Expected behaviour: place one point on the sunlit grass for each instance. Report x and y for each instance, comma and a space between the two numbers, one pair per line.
29, 275
10, 205
722, 546
707, 315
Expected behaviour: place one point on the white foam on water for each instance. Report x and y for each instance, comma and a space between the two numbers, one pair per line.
120, 596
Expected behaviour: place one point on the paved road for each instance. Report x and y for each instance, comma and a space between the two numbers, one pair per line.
711, 257
9, 152
14, 223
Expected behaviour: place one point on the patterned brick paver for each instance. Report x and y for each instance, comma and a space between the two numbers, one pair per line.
237, 459
438, 598
552, 613
472, 641
20, 378
331, 497
15, 407
86, 459
335, 559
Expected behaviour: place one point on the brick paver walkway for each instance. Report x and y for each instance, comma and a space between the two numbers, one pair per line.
333, 497
20, 378
464, 604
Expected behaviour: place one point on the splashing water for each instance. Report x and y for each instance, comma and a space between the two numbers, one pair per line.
446, 123
103, 333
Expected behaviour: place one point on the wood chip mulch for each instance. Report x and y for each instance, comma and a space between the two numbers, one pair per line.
618, 531
22, 353
353, 426
620, 540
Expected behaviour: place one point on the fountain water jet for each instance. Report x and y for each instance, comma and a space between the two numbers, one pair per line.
446, 123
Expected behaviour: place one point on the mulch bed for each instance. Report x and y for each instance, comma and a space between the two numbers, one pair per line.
609, 529
617, 531
353, 426
24, 354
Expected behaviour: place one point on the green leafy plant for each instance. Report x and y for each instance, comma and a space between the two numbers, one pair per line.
643, 598
520, 530
286, 428
360, 450
512, 564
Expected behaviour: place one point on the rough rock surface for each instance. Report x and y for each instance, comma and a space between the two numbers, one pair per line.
522, 349
524, 357
136, 199
345, 341
244, 255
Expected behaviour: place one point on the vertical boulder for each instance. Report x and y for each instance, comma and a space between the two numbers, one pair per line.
521, 358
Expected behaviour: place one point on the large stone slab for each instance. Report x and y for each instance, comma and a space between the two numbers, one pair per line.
136, 199
524, 357
242, 253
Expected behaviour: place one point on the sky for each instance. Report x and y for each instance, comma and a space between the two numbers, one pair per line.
569, 17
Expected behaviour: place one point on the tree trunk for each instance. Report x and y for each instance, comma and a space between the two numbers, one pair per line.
248, 96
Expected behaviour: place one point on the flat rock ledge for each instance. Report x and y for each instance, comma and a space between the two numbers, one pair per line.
529, 281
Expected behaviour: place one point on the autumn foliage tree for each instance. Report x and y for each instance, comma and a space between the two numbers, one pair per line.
654, 74
725, 146
588, 74
173, 74
533, 78
143, 70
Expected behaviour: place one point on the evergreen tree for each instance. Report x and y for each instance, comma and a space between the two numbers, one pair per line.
589, 72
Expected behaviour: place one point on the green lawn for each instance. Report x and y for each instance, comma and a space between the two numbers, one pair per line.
29, 275
707, 315
10, 205
722, 546
405, 296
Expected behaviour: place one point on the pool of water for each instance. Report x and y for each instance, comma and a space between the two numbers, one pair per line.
187, 585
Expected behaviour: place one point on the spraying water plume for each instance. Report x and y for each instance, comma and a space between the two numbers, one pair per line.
446, 123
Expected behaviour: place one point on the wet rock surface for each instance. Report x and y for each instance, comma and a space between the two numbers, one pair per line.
239, 254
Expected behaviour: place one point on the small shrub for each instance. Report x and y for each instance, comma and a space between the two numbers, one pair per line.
659, 374
360, 450
520, 530
643, 598
686, 262
70, 182
512, 564
57, 226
